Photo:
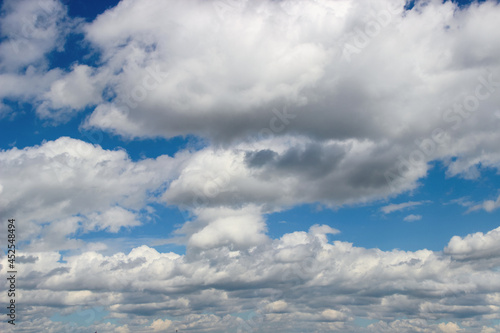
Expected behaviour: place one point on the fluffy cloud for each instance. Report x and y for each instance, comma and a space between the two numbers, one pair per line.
487, 205
288, 171
31, 30
309, 282
244, 227
72, 92
449, 328
475, 246
323, 77
331, 102
325, 95
352, 127
161, 325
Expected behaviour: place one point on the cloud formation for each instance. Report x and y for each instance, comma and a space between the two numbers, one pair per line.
309, 282
331, 102
412, 217
401, 206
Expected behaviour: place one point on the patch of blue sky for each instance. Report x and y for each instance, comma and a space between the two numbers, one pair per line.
443, 215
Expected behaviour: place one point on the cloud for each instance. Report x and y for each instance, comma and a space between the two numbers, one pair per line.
63, 182
487, 205
449, 328
412, 218
31, 30
339, 173
300, 280
315, 106
286, 119
475, 246
347, 127
401, 206
72, 92
165, 88
238, 228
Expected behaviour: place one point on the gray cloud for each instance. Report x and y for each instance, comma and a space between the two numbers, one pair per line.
300, 280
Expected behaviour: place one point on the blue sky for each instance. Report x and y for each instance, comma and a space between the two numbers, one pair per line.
210, 162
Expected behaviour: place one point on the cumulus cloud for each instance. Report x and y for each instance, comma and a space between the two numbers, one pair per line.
449, 328
300, 280
339, 173
74, 91
63, 181
164, 88
297, 102
355, 130
487, 205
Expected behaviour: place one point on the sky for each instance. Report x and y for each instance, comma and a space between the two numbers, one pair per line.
251, 166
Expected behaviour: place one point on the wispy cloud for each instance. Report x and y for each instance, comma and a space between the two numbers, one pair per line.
401, 206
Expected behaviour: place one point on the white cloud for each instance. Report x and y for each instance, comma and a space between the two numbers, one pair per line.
281, 173
401, 206
66, 178
161, 325
238, 228
167, 87
32, 29
487, 205
277, 307
449, 327
112, 219
72, 92
412, 218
